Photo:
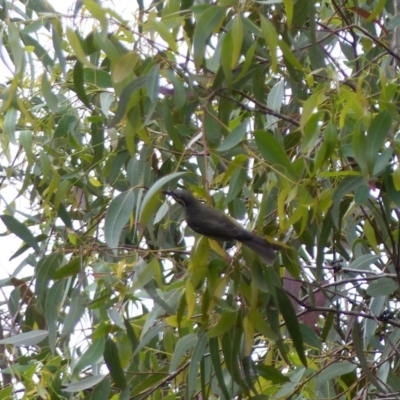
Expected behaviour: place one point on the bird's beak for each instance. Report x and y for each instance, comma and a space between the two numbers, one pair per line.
173, 195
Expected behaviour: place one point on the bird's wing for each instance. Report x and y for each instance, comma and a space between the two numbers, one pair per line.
215, 224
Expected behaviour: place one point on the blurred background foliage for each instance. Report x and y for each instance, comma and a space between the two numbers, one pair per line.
284, 115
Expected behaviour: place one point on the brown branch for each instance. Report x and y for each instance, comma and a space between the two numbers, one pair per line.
262, 106
163, 382
310, 308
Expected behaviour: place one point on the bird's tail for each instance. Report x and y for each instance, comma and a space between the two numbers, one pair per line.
263, 248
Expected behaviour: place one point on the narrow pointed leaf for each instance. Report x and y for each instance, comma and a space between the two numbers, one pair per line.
183, 345
150, 202
292, 323
117, 216
20, 230
111, 358
208, 22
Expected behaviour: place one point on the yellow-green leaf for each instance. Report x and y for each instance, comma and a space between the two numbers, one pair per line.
98, 12
76, 46
377, 10
237, 34
396, 178
248, 329
125, 66
165, 34
224, 324
311, 105
271, 37
289, 12
190, 298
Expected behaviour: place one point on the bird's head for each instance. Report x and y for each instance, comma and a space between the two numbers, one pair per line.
181, 196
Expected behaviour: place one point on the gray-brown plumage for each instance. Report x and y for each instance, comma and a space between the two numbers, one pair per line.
213, 223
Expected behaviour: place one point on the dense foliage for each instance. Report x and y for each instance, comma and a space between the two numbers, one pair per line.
283, 114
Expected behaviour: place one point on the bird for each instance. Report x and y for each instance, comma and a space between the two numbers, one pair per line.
214, 224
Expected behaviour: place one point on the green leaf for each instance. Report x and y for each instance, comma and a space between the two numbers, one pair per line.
17, 49
98, 12
328, 146
261, 325
10, 121
236, 184
83, 384
150, 202
182, 346
272, 374
148, 383
44, 273
91, 356
382, 287
65, 126
40, 6
124, 98
77, 308
247, 63
275, 96
209, 22
312, 132
376, 136
20, 230
71, 268
56, 33
52, 312
364, 262
79, 84
125, 66
26, 139
144, 273
334, 371
347, 185
180, 96
197, 356
62, 191
359, 146
26, 339
231, 343
97, 141
99, 79
310, 337
109, 47
153, 83
237, 34
102, 389
271, 37
292, 323
310, 105
358, 345
234, 138
7, 392
117, 215
289, 8
165, 34
41, 53
149, 335
377, 10
226, 54
274, 154
224, 324
75, 43
393, 23
216, 361
200, 254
